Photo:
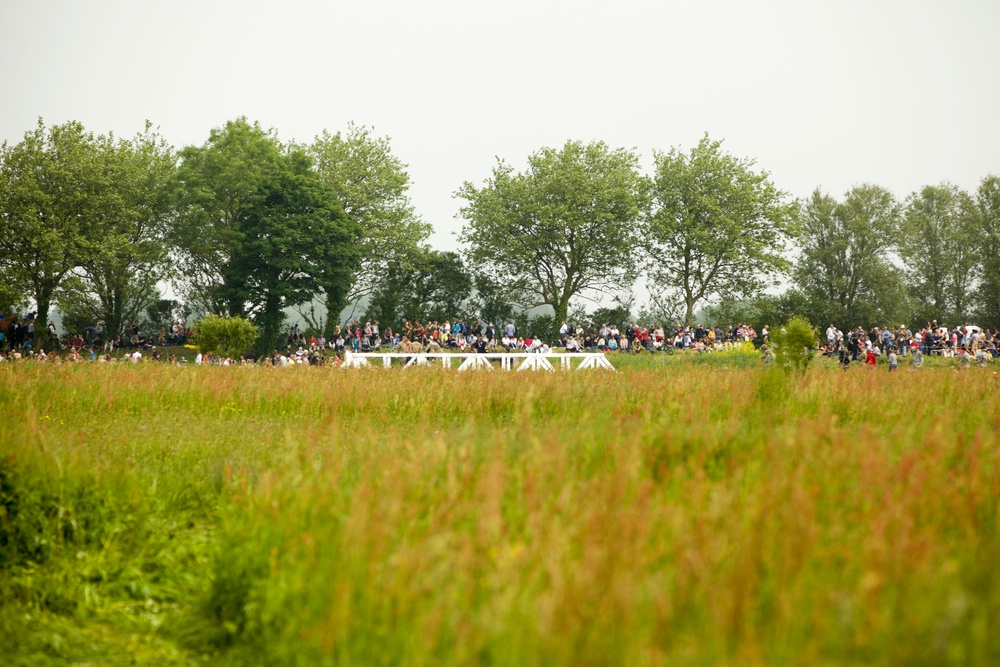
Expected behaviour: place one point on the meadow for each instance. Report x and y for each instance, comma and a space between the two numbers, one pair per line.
681, 511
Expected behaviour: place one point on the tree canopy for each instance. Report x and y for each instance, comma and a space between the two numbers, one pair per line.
431, 285
247, 225
52, 186
845, 271
986, 236
372, 186
257, 231
715, 227
565, 225
937, 249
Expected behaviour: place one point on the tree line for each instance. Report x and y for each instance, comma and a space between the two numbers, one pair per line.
246, 224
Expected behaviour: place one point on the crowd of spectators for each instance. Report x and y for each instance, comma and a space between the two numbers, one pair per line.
964, 341
21, 339
22, 334
636, 339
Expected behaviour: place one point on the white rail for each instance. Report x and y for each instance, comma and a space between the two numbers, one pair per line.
531, 361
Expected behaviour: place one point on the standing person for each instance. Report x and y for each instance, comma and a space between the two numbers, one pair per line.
893, 360
870, 360
918, 358
845, 358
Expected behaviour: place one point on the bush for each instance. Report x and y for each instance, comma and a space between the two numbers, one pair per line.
795, 345
228, 336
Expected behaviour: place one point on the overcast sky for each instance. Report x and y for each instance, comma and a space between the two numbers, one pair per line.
825, 94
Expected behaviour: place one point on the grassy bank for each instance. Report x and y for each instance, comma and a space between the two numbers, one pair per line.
681, 511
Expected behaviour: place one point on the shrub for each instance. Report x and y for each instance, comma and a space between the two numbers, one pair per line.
228, 336
794, 345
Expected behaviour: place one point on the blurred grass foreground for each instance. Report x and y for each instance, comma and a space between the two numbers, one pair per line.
689, 514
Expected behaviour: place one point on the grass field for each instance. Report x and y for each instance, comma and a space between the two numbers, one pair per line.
682, 512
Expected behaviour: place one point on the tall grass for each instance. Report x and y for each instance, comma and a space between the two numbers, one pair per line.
676, 512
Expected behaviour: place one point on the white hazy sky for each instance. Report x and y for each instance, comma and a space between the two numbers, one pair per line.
825, 94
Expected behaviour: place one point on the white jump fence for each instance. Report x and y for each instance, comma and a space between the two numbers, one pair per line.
529, 361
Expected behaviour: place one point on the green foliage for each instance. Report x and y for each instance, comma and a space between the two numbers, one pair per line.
563, 226
795, 345
228, 336
939, 250
127, 245
716, 227
618, 313
541, 326
372, 186
52, 185
86, 207
257, 230
987, 238
430, 285
844, 270
77, 305
12, 297
161, 314
491, 301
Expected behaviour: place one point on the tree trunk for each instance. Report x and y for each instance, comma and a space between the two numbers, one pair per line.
269, 322
43, 300
113, 316
562, 310
334, 304
561, 305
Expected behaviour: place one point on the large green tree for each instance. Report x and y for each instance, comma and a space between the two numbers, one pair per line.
937, 245
127, 251
431, 285
716, 227
52, 187
372, 186
987, 240
257, 231
564, 226
844, 270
